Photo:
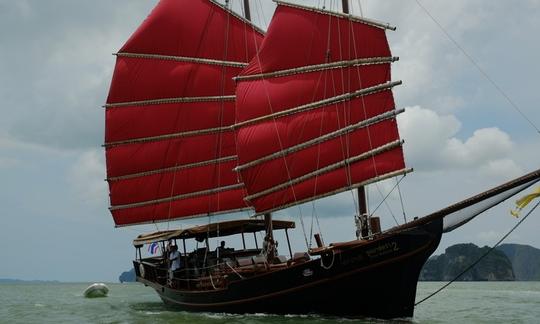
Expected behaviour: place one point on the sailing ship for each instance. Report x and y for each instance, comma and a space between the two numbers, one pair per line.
207, 114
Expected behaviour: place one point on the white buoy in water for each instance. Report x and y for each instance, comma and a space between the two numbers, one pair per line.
96, 290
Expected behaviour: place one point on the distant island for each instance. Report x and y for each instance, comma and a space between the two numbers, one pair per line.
127, 276
507, 262
525, 261
5, 280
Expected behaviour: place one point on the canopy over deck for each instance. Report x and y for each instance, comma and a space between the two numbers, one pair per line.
211, 230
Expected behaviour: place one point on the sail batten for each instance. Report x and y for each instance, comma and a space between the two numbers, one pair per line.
338, 191
123, 221
315, 113
323, 138
350, 17
162, 101
170, 147
321, 103
178, 197
318, 67
183, 59
328, 168
172, 169
170, 136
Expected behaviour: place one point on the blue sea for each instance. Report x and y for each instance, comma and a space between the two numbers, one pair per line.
462, 302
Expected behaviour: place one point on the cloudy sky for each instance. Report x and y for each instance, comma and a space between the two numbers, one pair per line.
462, 136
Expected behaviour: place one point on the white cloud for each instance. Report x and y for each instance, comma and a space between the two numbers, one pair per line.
496, 168
432, 144
484, 146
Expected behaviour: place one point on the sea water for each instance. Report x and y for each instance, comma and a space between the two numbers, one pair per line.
462, 302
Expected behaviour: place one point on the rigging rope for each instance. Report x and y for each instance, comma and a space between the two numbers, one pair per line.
479, 259
280, 142
388, 194
401, 201
470, 58
376, 184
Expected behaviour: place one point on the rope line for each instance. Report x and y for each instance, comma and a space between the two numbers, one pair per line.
470, 58
479, 259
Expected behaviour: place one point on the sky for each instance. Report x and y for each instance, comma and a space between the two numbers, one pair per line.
461, 135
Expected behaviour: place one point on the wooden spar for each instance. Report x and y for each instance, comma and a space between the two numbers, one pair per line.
340, 132
366, 21
321, 103
361, 191
288, 242
338, 165
178, 197
182, 59
197, 132
318, 67
185, 253
342, 189
173, 169
163, 101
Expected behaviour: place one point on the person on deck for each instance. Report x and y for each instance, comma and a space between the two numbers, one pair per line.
174, 261
220, 250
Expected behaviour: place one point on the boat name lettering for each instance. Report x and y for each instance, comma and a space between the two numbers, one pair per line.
383, 249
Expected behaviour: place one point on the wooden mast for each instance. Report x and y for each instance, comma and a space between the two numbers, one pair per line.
361, 191
345, 6
268, 244
247, 13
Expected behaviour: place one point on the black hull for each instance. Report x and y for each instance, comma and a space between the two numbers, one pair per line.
377, 279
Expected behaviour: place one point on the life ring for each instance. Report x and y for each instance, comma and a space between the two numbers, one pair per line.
141, 270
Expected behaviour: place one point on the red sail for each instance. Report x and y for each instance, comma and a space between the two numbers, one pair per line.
169, 145
315, 111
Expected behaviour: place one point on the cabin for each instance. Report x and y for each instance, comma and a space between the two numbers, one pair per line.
204, 268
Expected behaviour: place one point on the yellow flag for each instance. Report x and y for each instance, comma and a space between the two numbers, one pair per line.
524, 201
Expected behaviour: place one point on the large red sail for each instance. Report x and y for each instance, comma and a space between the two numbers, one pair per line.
315, 111
169, 144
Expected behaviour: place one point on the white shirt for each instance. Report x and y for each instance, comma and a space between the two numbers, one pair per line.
175, 256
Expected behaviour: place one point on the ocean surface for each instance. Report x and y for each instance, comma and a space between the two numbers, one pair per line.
476, 302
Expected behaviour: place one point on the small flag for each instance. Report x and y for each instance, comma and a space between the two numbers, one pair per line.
524, 201
152, 248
